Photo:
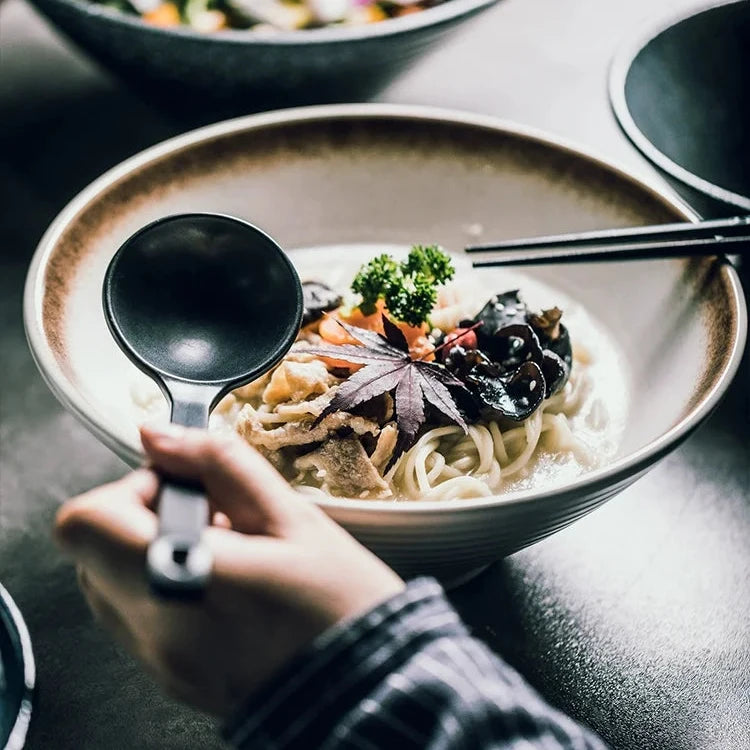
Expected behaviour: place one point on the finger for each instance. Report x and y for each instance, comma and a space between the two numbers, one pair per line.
238, 480
109, 528
137, 488
221, 520
101, 509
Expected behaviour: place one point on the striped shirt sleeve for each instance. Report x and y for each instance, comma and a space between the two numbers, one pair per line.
407, 674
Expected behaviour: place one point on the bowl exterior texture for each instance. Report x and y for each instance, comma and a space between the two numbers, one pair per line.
454, 544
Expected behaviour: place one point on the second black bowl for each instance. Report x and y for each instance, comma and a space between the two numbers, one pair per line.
682, 95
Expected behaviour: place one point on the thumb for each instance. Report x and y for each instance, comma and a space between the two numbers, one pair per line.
239, 482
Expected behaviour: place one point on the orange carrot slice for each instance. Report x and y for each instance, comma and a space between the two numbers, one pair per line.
165, 14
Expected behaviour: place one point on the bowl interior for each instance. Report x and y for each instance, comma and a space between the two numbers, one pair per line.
682, 97
390, 176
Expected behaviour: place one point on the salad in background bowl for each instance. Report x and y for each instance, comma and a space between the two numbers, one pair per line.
267, 16
245, 55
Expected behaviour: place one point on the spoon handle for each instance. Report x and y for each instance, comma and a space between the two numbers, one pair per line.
178, 561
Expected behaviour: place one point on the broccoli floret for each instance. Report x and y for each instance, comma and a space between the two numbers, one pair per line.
409, 289
373, 279
429, 262
412, 300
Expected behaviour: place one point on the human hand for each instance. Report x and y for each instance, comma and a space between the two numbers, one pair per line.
283, 571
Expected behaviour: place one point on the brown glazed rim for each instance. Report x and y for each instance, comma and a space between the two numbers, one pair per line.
711, 388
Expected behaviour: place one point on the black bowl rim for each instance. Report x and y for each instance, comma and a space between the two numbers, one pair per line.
618, 74
445, 13
10, 617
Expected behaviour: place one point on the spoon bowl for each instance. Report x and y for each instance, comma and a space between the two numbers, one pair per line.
202, 303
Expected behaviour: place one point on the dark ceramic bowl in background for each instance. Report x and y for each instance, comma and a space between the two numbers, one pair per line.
248, 71
17, 675
681, 93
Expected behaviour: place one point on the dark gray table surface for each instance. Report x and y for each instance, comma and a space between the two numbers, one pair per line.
636, 620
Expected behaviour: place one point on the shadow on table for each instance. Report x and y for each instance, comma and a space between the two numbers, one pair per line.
550, 642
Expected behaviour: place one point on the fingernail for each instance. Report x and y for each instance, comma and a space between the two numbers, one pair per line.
143, 479
164, 433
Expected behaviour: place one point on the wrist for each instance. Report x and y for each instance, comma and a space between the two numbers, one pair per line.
315, 689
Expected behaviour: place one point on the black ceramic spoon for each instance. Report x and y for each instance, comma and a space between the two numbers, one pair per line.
202, 303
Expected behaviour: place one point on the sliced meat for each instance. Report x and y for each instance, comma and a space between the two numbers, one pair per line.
295, 381
385, 446
302, 410
251, 427
379, 408
345, 468
253, 389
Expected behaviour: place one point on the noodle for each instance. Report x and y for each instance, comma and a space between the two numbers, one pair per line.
445, 462
477, 465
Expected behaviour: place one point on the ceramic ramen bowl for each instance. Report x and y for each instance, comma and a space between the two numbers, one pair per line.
347, 176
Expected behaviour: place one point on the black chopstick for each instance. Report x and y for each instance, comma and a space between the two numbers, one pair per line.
636, 243
736, 226
623, 251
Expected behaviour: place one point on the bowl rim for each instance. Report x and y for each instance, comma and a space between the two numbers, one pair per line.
11, 618
436, 16
611, 474
618, 74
